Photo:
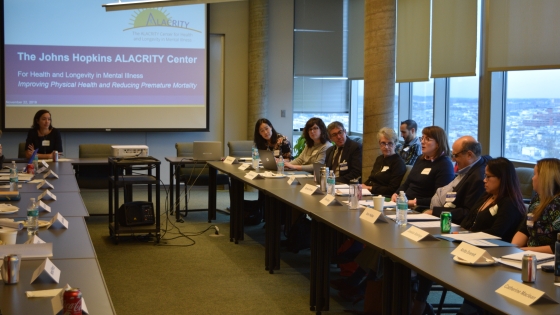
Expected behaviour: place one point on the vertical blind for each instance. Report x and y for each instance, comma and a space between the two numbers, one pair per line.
523, 35
413, 40
454, 38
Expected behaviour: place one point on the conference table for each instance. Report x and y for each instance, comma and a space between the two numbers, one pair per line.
73, 251
399, 255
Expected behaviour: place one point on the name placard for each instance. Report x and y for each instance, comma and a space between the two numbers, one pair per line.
46, 195
43, 167
329, 200
58, 221
34, 240
523, 293
470, 253
293, 180
50, 174
252, 175
309, 189
371, 215
230, 160
44, 184
48, 268
244, 166
44, 207
417, 235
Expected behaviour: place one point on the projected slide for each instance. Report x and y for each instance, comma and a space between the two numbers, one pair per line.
133, 69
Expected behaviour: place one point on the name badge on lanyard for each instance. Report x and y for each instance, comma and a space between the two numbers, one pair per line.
46, 143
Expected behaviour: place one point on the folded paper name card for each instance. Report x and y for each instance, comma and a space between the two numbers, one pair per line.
371, 215
57, 302
43, 167
523, 293
293, 180
47, 267
44, 184
50, 174
245, 166
330, 200
252, 175
44, 207
46, 195
309, 189
58, 221
417, 235
28, 251
471, 254
34, 240
230, 160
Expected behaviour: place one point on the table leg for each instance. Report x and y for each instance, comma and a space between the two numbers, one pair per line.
212, 187
178, 194
272, 209
321, 239
171, 183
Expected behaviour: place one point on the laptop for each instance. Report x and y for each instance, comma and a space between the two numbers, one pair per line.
207, 150
268, 161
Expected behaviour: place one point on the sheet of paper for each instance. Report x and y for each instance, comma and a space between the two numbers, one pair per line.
541, 257
429, 224
345, 192
482, 243
472, 236
417, 217
386, 204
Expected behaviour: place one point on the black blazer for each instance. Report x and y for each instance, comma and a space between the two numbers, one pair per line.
352, 154
469, 189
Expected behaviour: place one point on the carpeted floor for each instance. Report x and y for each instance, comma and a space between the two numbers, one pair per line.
194, 271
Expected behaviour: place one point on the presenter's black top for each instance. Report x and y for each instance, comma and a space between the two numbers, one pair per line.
386, 175
46, 144
425, 177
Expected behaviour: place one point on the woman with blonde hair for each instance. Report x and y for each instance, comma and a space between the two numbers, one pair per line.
539, 231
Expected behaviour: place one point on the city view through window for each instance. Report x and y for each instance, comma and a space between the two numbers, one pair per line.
532, 112
532, 115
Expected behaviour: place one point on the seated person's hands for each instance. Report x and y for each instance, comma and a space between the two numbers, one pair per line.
429, 211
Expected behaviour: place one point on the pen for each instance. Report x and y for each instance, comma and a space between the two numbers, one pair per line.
460, 232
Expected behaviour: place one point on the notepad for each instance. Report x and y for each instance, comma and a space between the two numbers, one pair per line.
541, 257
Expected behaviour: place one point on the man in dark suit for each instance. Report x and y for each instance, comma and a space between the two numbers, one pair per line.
462, 193
345, 157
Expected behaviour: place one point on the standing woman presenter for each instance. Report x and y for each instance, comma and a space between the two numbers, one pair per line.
43, 136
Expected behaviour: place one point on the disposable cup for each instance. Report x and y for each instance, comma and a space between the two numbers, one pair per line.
378, 203
8, 236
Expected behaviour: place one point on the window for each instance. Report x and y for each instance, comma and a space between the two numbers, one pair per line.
532, 115
357, 106
423, 103
463, 108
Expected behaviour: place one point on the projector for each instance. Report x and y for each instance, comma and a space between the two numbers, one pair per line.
130, 150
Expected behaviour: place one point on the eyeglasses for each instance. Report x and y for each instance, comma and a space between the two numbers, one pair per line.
457, 154
336, 134
314, 128
386, 144
426, 139
486, 176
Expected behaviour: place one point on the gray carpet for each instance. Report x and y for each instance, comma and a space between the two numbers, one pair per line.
194, 271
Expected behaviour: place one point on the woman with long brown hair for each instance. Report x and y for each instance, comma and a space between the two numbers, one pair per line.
540, 231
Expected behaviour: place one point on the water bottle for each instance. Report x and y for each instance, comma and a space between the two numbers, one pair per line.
331, 182
280, 165
14, 177
36, 162
324, 173
354, 194
557, 259
32, 217
402, 208
256, 158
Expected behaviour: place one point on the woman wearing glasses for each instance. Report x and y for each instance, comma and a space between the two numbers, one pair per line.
539, 232
316, 145
266, 138
389, 168
433, 169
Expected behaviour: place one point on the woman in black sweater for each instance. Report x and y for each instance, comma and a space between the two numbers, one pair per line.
433, 169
